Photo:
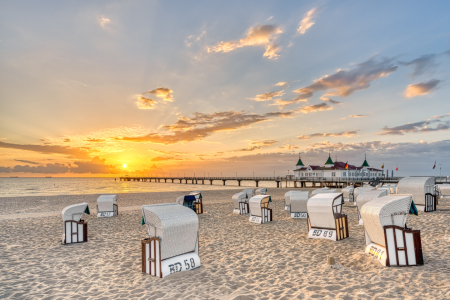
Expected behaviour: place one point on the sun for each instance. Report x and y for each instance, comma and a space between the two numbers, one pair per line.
124, 165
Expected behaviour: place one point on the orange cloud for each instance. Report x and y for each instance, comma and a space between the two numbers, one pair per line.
145, 103
307, 20
163, 93
421, 88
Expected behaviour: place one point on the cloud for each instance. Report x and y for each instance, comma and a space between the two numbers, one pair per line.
103, 21
145, 103
283, 83
314, 108
163, 93
267, 96
49, 149
343, 133
289, 147
345, 82
204, 125
330, 100
421, 88
92, 140
262, 35
357, 116
94, 166
421, 126
66, 140
27, 161
307, 20
256, 145
421, 65
55, 168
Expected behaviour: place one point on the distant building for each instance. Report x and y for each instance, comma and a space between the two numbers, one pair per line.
336, 170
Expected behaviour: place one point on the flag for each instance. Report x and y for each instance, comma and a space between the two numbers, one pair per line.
434, 165
346, 165
382, 166
396, 168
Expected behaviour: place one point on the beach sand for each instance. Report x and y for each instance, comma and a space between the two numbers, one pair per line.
240, 260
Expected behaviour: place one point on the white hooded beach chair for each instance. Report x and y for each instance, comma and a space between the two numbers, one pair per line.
358, 191
387, 237
298, 204
366, 197
106, 206
287, 200
240, 204
422, 190
172, 245
346, 192
325, 217
191, 202
198, 201
259, 209
74, 228
250, 192
261, 191
392, 188
322, 191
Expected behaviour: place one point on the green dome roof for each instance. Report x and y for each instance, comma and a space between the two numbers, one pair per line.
329, 161
365, 164
300, 163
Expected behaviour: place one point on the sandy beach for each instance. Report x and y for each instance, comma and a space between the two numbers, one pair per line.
239, 260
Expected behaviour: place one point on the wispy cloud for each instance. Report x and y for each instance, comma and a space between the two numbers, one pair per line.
421, 126
308, 20
267, 96
27, 161
257, 145
345, 82
338, 134
92, 140
421, 88
315, 107
104, 21
421, 65
204, 125
163, 93
262, 35
283, 83
49, 149
357, 116
145, 103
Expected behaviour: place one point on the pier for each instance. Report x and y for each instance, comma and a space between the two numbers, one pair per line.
288, 181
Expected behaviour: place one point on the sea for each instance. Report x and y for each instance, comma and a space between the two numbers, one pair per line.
33, 186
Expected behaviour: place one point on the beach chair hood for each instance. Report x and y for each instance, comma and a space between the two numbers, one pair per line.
369, 196
417, 187
299, 200
106, 202
176, 226
380, 212
320, 209
258, 201
75, 212
239, 197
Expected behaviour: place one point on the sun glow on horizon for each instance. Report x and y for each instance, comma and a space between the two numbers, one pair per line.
124, 165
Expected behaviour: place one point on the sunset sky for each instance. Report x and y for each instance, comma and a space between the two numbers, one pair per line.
177, 87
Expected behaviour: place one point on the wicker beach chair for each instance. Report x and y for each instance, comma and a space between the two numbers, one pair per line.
347, 191
172, 245
287, 200
358, 191
259, 209
325, 217
198, 201
74, 228
298, 204
387, 237
422, 190
261, 191
240, 204
366, 197
106, 206
191, 202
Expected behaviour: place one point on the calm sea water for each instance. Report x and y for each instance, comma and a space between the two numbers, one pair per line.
15, 187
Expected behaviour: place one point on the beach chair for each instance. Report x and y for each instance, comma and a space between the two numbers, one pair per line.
366, 197
298, 204
191, 202
392, 188
358, 191
386, 235
347, 191
325, 217
172, 245
259, 209
106, 206
322, 191
422, 190
249, 192
240, 204
74, 228
198, 203
287, 200
261, 191
444, 190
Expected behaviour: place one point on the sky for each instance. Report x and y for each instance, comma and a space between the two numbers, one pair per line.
222, 88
